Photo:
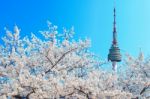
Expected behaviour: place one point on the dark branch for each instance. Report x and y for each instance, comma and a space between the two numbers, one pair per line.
144, 89
61, 59
28, 95
86, 94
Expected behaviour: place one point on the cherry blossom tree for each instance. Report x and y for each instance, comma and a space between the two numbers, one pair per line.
136, 79
57, 66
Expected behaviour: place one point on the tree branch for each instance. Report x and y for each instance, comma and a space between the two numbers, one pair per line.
28, 95
61, 59
80, 90
144, 89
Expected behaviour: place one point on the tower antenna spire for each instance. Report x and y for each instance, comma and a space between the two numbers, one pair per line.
114, 52
114, 26
114, 11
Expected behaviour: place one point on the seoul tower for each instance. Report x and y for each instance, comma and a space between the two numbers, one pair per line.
114, 52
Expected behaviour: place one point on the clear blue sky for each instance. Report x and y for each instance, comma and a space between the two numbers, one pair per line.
91, 18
